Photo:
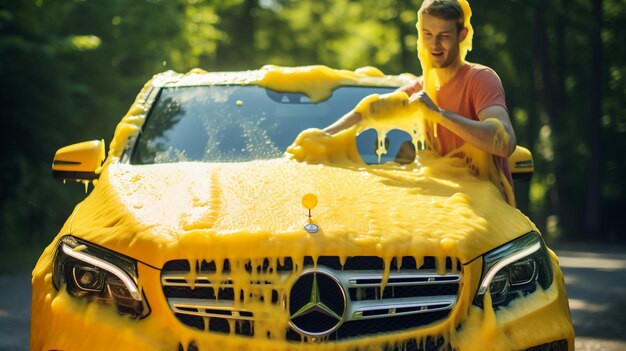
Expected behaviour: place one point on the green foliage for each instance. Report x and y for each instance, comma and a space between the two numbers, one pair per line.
71, 69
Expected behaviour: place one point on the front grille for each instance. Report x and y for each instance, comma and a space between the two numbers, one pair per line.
211, 299
428, 344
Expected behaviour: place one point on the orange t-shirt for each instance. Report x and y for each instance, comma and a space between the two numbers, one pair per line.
474, 88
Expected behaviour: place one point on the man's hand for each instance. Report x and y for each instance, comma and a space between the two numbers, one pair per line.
432, 112
422, 97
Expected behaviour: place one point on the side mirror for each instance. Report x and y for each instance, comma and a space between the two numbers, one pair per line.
521, 164
78, 161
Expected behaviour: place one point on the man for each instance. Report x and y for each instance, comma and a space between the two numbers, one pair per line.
470, 96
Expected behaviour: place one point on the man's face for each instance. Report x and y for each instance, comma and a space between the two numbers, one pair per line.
441, 39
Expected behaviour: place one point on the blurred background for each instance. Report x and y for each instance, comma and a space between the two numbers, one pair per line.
70, 70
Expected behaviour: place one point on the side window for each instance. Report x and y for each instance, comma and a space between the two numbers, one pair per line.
399, 145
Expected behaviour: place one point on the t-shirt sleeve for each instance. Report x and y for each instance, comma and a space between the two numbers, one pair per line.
487, 90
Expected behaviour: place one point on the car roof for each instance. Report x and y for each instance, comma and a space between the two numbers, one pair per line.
316, 81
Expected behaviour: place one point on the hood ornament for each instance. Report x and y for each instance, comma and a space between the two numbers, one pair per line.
309, 201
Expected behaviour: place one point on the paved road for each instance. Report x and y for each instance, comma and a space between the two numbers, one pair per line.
595, 279
596, 286
14, 312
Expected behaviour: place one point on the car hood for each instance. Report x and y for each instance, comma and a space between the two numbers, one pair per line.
155, 213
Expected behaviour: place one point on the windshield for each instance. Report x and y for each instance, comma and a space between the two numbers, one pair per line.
242, 123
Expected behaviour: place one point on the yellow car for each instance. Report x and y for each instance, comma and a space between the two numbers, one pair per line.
223, 218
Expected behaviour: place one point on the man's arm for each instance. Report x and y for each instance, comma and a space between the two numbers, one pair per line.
492, 133
351, 118
346, 121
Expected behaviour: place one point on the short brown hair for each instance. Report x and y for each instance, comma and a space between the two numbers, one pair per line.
445, 9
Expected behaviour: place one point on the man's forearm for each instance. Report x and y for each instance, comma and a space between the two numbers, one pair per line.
492, 132
490, 135
348, 120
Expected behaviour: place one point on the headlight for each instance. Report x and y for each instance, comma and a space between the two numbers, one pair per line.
99, 275
514, 270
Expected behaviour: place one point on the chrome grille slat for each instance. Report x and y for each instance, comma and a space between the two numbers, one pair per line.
179, 279
399, 307
418, 277
199, 283
183, 306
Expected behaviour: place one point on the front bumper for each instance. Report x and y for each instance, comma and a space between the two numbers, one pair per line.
61, 322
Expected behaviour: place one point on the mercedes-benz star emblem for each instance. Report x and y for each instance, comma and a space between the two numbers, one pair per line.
317, 304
